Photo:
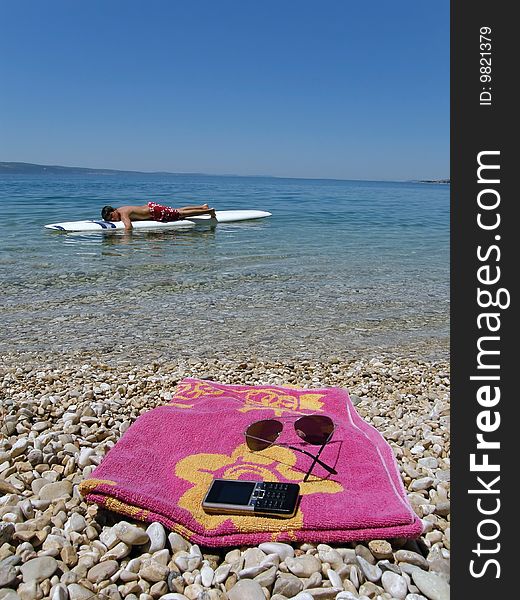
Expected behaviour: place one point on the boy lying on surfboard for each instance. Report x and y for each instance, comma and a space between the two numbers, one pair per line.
153, 212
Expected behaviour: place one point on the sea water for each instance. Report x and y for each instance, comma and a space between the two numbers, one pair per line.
341, 268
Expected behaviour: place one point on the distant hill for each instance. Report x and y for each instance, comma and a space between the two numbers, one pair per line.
19, 168
434, 181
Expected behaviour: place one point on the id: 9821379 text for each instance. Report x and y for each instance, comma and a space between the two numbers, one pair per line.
485, 66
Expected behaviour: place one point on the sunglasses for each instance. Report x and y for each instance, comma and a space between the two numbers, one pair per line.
313, 429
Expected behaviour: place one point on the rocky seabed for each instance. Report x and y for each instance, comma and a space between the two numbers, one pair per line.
57, 423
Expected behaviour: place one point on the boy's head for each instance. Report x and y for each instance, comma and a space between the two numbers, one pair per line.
106, 211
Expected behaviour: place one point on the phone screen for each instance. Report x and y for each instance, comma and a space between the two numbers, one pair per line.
231, 492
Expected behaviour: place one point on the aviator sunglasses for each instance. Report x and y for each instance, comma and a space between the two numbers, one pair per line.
313, 429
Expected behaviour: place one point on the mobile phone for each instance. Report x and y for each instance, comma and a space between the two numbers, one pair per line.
262, 498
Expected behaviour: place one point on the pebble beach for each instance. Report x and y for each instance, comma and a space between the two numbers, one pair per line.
59, 418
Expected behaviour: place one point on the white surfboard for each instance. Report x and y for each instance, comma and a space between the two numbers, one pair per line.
223, 216
230, 216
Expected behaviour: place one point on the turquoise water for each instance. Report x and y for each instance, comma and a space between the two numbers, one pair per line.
342, 268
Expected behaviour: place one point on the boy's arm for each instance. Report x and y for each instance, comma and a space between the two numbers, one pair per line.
125, 218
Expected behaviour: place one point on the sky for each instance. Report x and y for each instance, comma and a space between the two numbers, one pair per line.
291, 88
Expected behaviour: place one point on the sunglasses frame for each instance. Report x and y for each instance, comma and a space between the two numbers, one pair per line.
315, 457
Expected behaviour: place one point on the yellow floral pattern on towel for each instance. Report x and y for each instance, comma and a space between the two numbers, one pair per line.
278, 400
274, 464
188, 391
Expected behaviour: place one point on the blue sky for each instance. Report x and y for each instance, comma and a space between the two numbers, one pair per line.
330, 88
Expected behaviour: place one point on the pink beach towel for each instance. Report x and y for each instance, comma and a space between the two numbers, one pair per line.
163, 465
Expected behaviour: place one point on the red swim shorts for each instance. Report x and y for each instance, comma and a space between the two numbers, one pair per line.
163, 214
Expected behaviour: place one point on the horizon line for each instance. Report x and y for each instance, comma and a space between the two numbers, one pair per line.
200, 173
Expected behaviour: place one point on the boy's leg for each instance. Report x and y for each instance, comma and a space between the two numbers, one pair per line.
200, 206
194, 211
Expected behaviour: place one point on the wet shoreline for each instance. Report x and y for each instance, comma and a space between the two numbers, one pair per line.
267, 317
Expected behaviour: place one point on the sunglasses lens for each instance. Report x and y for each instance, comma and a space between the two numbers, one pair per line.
314, 429
262, 434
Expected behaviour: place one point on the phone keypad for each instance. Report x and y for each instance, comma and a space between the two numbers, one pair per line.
270, 496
